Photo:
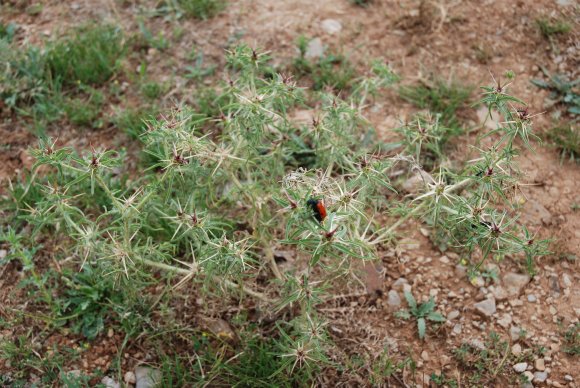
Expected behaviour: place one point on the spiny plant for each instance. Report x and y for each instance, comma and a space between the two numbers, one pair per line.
421, 312
213, 200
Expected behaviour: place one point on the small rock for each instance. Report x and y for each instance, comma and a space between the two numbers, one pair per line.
110, 383
521, 367
444, 259
147, 377
568, 378
540, 364
532, 298
540, 377
529, 377
3, 253
399, 284
331, 26
566, 281
393, 298
478, 281
505, 321
538, 211
517, 349
486, 307
129, 378
500, 293
452, 315
457, 329
425, 355
315, 49
460, 271
515, 333
477, 344
515, 283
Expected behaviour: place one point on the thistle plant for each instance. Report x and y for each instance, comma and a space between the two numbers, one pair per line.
217, 196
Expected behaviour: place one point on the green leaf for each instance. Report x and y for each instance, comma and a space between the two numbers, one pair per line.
411, 300
436, 316
421, 326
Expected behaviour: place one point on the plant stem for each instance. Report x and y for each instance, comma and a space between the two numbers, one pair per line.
228, 283
400, 221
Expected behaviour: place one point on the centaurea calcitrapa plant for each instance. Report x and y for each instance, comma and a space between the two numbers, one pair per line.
216, 198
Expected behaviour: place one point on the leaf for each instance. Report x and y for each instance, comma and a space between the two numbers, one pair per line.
403, 314
421, 326
411, 301
436, 316
540, 83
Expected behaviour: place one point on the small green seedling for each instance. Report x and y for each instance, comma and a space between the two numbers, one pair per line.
422, 313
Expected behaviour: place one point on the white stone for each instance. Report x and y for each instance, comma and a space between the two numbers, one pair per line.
521, 367
486, 307
315, 49
331, 26
147, 377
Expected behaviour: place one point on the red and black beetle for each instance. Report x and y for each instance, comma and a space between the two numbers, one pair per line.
318, 208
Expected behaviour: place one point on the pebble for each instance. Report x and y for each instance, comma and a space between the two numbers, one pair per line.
520, 367
425, 355
393, 298
452, 315
500, 293
540, 364
540, 377
129, 378
331, 26
505, 321
315, 49
529, 376
444, 259
532, 298
515, 333
3, 253
517, 349
515, 283
566, 281
486, 307
399, 284
457, 329
147, 377
110, 383
478, 281
568, 378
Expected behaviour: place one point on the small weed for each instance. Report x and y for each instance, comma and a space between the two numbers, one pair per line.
572, 340
86, 302
422, 313
153, 90
563, 91
85, 109
89, 55
567, 139
331, 70
200, 9
134, 121
550, 28
440, 97
484, 363
7, 32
